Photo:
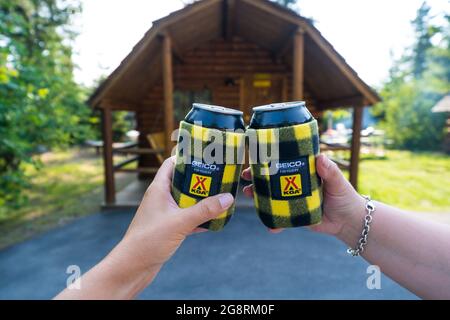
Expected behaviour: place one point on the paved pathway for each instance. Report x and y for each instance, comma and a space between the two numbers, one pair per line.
241, 262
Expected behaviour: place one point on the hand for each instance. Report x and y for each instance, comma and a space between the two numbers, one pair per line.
160, 226
157, 230
341, 201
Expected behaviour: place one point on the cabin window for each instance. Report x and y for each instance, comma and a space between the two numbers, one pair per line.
183, 100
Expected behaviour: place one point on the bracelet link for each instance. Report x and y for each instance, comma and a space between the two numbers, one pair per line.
362, 242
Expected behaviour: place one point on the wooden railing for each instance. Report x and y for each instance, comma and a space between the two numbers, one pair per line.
133, 149
342, 164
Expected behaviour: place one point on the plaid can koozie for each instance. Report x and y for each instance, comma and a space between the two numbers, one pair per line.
290, 196
195, 178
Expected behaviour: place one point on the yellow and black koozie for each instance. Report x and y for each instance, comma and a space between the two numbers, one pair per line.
289, 194
195, 177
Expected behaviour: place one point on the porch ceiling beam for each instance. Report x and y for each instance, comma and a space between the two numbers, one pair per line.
298, 64
228, 18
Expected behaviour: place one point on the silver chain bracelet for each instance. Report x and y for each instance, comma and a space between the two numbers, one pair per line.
370, 208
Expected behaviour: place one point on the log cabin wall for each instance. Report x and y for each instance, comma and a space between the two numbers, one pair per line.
219, 65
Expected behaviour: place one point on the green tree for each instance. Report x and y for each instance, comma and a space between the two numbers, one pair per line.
40, 103
423, 39
416, 82
287, 3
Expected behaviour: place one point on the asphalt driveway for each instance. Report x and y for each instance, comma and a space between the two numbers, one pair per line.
242, 262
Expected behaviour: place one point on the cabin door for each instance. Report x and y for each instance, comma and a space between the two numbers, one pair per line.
261, 88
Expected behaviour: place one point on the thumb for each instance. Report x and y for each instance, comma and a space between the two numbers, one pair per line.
334, 181
206, 209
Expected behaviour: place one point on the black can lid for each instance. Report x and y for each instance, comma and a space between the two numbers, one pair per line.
280, 115
216, 117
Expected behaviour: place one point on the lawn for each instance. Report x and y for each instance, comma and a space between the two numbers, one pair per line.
69, 185
413, 181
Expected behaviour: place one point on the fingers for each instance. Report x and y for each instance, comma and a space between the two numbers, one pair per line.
163, 177
246, 174
276, 230
199, 230
166, 169
334, 181
206, 210
248, 191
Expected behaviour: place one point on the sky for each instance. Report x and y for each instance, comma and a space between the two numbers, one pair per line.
365, 32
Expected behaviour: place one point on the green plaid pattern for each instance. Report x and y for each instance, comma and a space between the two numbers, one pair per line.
296, 141
200, 138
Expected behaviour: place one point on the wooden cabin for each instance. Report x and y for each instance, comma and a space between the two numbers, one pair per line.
443, 106
235, 53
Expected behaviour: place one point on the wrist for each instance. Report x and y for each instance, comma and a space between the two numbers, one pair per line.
128, 271
353, 224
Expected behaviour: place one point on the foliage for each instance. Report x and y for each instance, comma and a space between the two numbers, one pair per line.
417, 81
287, 3
41, 106
335, 116
123, 122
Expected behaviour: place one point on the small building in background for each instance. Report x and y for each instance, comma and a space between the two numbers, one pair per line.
444, 106
234, 53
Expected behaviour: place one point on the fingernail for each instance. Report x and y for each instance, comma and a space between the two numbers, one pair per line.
226, 200
325, 161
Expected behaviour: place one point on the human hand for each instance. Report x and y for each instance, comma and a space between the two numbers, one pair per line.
157, 230
160, 226
341, 201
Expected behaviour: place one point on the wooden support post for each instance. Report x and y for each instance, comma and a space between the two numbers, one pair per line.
168, 91
298, 64
356, 143
110, 190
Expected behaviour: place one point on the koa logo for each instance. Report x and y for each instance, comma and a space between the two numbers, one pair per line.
291, 185
200, 185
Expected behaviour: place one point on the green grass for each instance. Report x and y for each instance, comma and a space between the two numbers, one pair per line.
69, 185
412, 181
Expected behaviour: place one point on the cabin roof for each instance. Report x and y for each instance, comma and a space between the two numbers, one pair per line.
329, 78
443, 105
